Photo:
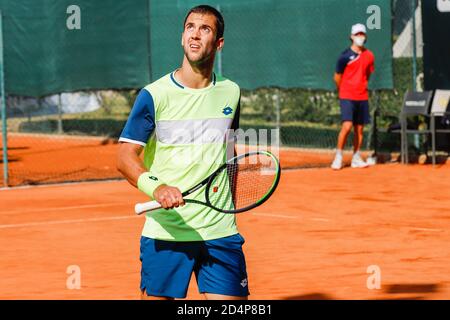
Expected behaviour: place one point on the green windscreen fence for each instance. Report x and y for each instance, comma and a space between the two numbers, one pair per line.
289, 43
43, 55
127, 44
95, 56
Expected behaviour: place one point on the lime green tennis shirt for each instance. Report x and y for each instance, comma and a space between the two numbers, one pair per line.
186, 134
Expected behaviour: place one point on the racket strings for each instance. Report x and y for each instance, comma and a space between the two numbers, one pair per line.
243, 183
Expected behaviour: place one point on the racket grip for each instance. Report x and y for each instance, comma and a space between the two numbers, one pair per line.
140, 208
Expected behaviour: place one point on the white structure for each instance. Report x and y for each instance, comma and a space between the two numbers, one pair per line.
403, 47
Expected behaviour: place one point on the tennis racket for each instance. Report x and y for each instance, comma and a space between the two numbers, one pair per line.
242, 183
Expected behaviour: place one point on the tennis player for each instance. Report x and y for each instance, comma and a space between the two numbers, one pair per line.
353, 70
181, 121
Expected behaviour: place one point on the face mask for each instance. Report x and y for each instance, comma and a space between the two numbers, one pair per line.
359, 41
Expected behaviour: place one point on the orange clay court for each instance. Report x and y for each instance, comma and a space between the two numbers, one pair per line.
314, 239
38, 159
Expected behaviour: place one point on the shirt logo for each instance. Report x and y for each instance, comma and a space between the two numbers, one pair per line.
352, 57
227, 110
153, 178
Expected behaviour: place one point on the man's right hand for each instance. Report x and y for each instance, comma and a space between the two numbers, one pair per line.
169, 197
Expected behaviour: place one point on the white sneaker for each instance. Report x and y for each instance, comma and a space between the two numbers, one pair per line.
337, 163
357, 162
371, 161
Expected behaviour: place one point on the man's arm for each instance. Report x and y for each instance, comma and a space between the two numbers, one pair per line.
337, 79
128, 162
341, 64
134, 136
132, 168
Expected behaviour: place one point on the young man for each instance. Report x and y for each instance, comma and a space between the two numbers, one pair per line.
353, 70
183, 108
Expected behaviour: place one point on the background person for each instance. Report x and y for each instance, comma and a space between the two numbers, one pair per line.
353, 70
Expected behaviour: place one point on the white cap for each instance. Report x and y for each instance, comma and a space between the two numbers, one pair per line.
359, 27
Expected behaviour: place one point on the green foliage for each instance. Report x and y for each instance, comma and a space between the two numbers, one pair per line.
318, 106
93, 127
130, 96
113, 102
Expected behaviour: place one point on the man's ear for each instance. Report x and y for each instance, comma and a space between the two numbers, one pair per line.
220, 43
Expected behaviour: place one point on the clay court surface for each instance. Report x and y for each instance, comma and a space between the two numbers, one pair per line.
42, 159
314, 239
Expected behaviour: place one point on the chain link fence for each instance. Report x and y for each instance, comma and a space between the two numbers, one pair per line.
311, 118
73, 136
65, 137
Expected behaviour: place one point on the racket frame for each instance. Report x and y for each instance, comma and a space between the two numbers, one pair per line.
207, 181
234, 160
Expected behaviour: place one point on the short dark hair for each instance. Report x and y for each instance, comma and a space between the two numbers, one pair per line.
203, 9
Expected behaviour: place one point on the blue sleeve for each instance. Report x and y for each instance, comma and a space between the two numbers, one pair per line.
141, 121
342, 63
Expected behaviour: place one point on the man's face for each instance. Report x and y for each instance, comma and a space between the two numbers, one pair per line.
359, 39
199, 38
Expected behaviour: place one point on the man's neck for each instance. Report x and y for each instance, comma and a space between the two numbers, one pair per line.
195, 77
357, 49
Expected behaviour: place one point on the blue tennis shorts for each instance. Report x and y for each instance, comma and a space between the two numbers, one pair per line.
355, 111
219, 267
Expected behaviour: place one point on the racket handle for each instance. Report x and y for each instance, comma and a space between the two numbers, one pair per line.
140, 208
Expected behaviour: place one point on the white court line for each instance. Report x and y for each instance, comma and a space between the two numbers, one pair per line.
65, 208
427, 229
273, 215
320, 219
288, 217
60, 184
44, 223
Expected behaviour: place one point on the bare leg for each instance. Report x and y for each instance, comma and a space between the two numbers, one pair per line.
358, 137
343, 134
